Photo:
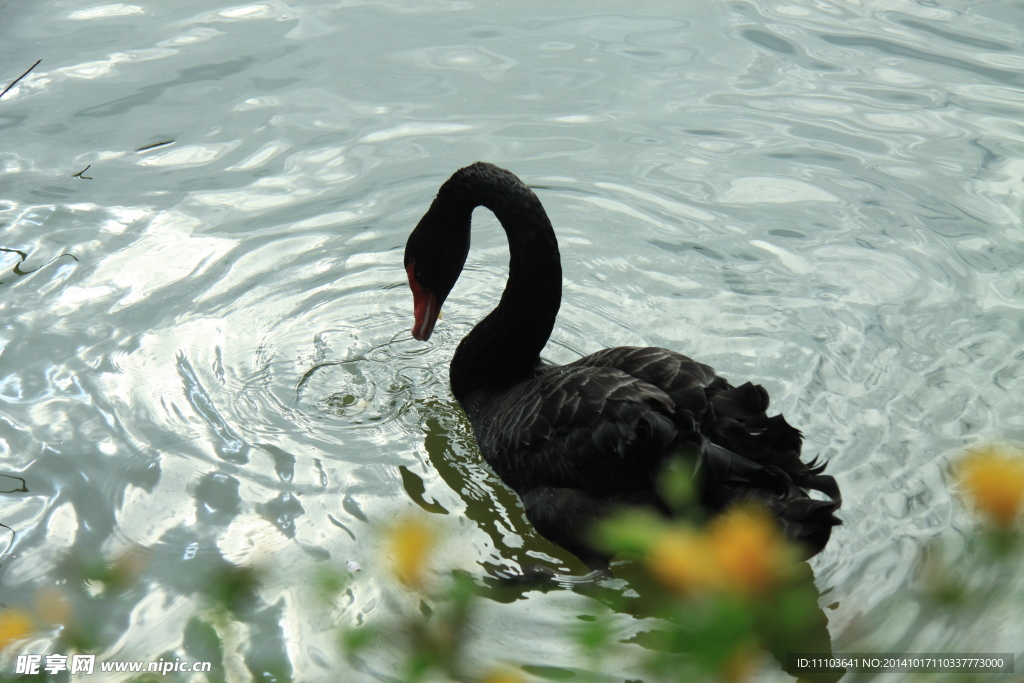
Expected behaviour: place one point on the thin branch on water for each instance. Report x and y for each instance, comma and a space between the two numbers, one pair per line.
144, 148
19, 271
15, 82
21, 489
153, 146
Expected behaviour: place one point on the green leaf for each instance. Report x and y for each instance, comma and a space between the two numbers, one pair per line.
631, 531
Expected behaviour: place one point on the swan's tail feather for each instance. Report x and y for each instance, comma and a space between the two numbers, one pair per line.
748, 456
809, 522
742, 402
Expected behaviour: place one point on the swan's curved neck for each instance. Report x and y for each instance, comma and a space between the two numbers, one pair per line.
505, 347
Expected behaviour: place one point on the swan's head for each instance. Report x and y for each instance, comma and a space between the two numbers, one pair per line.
434, 257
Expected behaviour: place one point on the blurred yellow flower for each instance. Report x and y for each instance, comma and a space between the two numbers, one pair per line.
682, 560
52, 605
749, 549
130, 566
410, 543
993, 478
739, 666
502, 676
14, 625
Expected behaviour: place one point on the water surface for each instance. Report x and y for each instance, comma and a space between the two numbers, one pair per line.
206, 348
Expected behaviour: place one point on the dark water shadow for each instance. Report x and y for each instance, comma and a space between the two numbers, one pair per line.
495, 508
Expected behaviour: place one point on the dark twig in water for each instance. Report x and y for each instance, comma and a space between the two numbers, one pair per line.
154, 145
21, 489
144, 148
15, 82
19, 271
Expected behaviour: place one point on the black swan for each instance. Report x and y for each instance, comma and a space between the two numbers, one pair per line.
579, 441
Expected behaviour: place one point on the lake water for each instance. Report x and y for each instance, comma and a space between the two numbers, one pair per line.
206, 348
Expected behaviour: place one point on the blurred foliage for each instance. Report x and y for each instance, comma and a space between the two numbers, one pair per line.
726, 591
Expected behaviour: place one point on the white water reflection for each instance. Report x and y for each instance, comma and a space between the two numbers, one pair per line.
117, 10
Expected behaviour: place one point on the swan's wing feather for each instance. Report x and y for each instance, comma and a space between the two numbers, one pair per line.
741, 452
596, 429
671, 372
735, 418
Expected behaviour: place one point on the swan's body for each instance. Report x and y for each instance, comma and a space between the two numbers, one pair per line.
579, 441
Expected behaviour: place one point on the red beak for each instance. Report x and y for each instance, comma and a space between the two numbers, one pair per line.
424, 305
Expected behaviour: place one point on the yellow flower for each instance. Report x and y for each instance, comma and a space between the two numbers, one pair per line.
993, 478
749, 549
52, 605
739, 666
14, 625
683, 561
410, 544
130, 566
502, 676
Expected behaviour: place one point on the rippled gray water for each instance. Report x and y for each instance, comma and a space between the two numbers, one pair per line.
205, 346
